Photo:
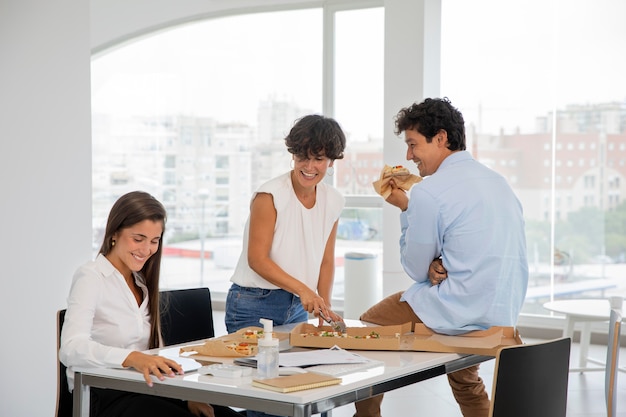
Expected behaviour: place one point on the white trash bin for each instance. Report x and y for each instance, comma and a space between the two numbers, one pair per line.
363, 289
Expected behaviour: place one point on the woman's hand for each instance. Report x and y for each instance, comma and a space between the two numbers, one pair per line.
331, 315
152, 365
436, 272
200, 409
312, 302
334, 316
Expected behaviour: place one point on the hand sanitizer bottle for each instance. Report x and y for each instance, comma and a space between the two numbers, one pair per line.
267, 358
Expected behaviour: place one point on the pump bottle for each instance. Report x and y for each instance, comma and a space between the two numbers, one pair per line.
267, 358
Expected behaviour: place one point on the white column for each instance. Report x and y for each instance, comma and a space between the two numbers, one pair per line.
412, 68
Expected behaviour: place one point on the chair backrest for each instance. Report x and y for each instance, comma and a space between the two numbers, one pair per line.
186, 315
612, 356
64, 396
530, 380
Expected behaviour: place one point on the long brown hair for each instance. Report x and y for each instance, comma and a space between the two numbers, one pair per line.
128, 210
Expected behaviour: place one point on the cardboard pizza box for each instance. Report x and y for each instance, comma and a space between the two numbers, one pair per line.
479, 342
252, 335
400, 337
358, 338
225, 346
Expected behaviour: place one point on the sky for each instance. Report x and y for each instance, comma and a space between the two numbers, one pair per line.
503, 64
523, 57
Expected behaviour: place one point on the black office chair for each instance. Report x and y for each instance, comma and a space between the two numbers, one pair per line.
64, 396
530, 380
186, 315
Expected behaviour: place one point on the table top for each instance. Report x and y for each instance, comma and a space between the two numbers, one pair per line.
396, 364
400, 368
591, 309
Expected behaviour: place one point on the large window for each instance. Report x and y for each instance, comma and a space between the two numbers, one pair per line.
541, 86
358, 74
197, 115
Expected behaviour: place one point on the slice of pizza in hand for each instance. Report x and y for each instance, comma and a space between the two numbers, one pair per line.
395, 171
401, 176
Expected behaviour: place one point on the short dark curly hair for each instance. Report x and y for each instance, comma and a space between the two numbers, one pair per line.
431, 116
316, 135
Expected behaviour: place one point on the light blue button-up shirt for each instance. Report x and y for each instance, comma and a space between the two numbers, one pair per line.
467, 214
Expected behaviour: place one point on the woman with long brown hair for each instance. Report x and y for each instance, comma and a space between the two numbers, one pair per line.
113, 313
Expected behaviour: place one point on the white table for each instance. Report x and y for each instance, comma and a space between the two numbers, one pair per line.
400, 369
584, 311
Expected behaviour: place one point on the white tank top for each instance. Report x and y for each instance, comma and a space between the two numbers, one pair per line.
300, 234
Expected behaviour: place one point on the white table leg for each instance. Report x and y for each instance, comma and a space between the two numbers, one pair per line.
585, 339
568, 330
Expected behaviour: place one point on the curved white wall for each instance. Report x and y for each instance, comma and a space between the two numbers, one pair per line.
115, 21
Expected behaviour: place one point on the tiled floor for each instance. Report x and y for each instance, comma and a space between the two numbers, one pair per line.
434, 398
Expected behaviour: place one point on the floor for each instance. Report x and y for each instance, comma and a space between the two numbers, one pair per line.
434, 398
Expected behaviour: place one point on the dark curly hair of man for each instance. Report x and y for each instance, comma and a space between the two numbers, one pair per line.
431, 116
316, 135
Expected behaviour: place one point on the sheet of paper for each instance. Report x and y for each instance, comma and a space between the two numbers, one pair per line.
188, 364
334, 355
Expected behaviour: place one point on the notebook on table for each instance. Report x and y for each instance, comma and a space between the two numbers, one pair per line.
296, 382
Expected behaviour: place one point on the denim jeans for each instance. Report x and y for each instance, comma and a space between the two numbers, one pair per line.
246, 305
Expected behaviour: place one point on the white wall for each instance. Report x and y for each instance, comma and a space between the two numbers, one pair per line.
115, 21
45, 177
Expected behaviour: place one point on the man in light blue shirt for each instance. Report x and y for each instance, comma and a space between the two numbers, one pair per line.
464, 221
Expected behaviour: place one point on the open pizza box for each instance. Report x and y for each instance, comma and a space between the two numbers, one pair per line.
400, 337
242, 343
479, 342
359, 338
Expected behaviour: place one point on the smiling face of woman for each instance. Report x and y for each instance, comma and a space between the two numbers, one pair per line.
135, 245
310, 171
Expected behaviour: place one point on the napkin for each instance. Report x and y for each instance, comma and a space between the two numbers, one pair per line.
401, 176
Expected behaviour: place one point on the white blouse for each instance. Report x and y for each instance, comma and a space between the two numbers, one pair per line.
103, 323
300, 234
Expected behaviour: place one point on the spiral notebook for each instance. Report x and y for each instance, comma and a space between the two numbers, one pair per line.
296, 382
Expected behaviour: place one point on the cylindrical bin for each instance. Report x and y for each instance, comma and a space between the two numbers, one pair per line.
362, 286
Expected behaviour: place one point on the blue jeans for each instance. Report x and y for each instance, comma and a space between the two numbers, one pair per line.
246, 305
